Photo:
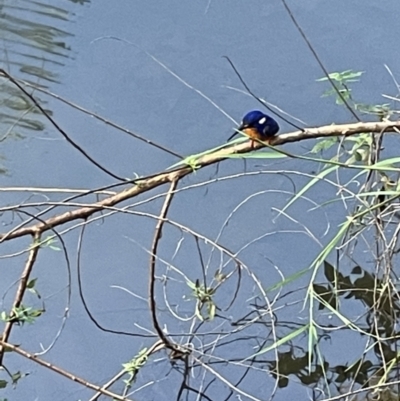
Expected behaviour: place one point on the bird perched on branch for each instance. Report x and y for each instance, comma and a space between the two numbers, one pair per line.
257, 126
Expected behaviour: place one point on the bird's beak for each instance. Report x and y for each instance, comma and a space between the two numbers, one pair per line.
240, 128
234, 134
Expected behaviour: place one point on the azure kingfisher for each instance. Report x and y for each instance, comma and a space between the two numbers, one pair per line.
257, 126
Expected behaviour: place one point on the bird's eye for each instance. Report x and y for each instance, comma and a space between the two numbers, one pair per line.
262, 120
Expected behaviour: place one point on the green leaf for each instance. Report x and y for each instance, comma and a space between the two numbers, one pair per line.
317, 178
282, 341
351, 75
193, 286
31, 283
192, 159
344, 76
211, 310
288, 280
324, 144
15, 377
49, 242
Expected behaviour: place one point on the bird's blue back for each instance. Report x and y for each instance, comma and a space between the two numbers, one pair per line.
265, 125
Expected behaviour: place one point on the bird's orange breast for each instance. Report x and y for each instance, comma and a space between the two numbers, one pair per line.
252, 133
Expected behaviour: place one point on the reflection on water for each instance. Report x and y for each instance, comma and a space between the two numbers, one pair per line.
35, 47
375, 311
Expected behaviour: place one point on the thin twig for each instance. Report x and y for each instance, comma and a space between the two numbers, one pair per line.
23, 281
62, 372
152, 273
153, 349
57, 127
83, 299
146, 184
257, 98
100, 118
309, 45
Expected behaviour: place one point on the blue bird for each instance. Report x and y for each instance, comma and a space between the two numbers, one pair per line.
257, 126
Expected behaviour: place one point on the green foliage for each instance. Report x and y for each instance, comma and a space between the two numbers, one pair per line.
360, 151
21, 314
133, 366
17, 376
31, 287
49, 242
357, 148
325, 144
286, 339
342, 81
205, 306
344, 77
191, 160
382, 111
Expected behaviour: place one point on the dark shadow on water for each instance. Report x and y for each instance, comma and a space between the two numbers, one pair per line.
373, 312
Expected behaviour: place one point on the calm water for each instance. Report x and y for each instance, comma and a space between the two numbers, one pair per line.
103, 57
